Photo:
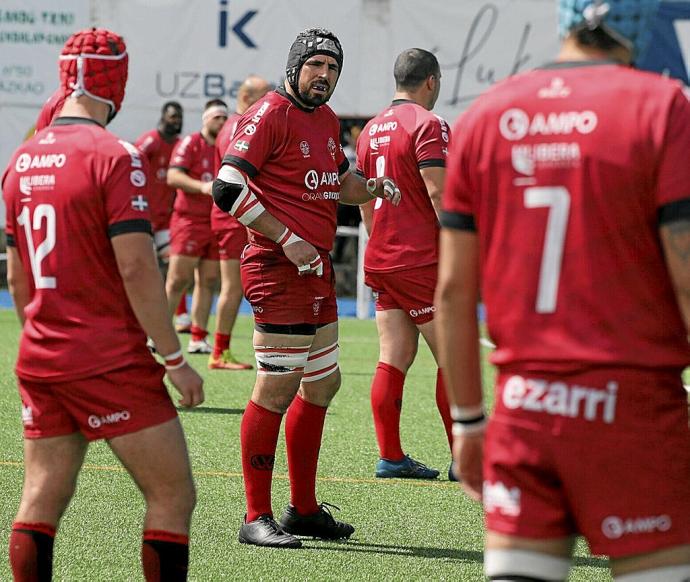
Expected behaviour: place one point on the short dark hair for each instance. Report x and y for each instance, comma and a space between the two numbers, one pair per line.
214, 102
173, 104
413, 67
596, 38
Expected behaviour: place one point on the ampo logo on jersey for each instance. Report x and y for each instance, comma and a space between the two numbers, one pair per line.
515, 124
26, 162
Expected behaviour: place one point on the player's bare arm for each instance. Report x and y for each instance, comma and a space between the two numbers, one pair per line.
434, 178
18, 283
232, 194
457, 294
675, 239
144, 286
178, 178
356, 191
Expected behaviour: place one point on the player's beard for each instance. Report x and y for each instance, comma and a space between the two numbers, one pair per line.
171, 129
315, 100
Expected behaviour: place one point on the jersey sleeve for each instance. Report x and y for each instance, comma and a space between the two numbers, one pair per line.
431, 143
256, 137
125, 191
458, 193
673, 183
361, 150
183, 154
147, 144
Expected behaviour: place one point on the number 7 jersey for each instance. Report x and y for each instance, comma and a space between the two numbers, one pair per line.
68, 191
566, 173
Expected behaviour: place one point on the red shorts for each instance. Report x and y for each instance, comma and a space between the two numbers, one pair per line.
411, 290
231, 243
279, 296
101, 407
603, 453
192, 238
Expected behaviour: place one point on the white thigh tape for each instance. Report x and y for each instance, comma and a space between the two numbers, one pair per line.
321, 363
525, 563
277, 361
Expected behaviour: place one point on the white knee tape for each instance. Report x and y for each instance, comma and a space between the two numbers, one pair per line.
321, 363
524, 563
667, 574
284, 360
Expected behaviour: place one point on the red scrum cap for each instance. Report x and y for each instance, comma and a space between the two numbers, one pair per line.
94, 62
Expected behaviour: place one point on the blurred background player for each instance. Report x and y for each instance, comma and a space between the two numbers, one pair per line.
287, 138
79, 242
157, 145
232, 238
568, 200
50, 109
193, 249
408, 143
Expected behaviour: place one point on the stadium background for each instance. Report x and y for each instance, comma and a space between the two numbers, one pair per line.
194, 51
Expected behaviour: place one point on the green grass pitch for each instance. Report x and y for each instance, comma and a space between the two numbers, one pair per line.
405, 530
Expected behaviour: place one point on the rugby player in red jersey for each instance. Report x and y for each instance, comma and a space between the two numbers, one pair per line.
157, 145
193, 249
408, 143
282, 176
87, 290
232, 238
568, 202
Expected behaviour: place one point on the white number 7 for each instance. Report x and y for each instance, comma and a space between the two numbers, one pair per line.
557, 200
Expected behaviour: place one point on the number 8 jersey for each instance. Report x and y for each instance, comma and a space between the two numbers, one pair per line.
68, 190
566, 173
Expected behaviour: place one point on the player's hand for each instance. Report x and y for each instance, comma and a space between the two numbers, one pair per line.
189, 384
206, 187
305, 256
385, 188
468, 454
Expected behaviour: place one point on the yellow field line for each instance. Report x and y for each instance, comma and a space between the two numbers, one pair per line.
280, 476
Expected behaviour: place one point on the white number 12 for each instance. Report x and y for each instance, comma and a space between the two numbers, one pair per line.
557, 200
37, 254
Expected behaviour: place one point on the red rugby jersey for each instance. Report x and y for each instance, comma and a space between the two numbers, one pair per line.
195, 156
158, 151
68, 191
50, 109
566, 172
224, 221
293, 159
399, 142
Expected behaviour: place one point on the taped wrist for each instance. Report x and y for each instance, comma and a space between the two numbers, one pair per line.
231, 194
287, 238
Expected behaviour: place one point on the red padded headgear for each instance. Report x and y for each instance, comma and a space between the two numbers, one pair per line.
94, 62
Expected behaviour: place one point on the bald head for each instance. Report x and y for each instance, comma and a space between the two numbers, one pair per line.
251, 90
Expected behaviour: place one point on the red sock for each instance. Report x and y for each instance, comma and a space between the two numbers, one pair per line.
444, 407
220, 344
31, 551
164, 556
182, 305
198, 333
258, 439
386, 404
303, 431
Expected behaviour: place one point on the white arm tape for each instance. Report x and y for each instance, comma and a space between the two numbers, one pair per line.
247, 207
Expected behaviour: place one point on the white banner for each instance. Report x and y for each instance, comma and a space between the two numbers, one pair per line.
195, 51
